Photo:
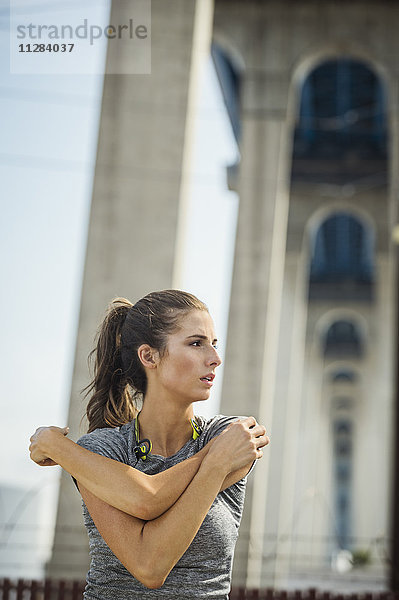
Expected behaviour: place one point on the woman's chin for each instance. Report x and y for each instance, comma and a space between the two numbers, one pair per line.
203, 397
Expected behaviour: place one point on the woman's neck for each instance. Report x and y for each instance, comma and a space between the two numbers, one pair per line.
167, 426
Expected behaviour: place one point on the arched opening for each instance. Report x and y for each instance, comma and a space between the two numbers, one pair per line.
342, 260
341, 130
343, 340
343, 376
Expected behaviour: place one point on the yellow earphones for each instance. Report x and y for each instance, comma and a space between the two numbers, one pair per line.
144, 447
196, 429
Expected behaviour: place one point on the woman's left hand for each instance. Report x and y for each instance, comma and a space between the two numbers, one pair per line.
37, 450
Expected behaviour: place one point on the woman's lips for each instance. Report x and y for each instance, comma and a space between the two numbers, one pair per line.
208, 379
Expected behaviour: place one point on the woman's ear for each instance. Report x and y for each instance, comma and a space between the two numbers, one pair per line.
148, 356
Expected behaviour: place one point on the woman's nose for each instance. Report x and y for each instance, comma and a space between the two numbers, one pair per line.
215, 358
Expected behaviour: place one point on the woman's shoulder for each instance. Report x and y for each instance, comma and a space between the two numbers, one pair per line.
109, 441
212, 427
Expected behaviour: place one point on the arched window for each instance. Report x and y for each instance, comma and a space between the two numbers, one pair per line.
342, 260
343, 340
343, 376
342, 107
342, 117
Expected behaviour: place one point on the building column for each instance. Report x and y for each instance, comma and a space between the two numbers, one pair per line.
251, 354
134, 215
288, 446
394, 273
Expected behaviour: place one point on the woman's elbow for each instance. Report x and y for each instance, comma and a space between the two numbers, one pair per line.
141, 511
150, 564
145, 508
147, 511
149, 577
153, 583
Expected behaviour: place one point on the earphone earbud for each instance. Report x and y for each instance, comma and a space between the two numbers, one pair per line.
143, 448
196, 429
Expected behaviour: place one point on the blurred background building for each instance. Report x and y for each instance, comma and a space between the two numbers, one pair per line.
311, 91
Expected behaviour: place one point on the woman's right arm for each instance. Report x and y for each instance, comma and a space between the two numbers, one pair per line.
117, 484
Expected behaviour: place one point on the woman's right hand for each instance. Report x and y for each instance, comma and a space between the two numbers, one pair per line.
38, 449
239, 444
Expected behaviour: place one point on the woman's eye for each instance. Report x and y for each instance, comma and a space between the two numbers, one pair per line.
199, 343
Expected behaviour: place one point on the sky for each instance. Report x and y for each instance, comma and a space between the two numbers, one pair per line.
47, 156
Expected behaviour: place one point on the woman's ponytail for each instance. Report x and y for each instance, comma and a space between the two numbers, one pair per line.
112, 402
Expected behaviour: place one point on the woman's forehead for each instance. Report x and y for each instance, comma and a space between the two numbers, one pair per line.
197, 322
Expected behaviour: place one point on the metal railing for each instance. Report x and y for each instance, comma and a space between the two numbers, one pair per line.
51, 589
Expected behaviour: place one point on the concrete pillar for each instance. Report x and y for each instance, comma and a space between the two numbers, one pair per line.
287, 434
257, 285
309, 498
394, 274
374, 416
134, 216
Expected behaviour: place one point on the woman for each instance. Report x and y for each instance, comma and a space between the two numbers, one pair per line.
163, 490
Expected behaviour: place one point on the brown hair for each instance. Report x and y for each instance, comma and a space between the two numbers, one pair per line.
119, 377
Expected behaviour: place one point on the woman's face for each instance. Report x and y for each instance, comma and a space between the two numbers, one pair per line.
187, 368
